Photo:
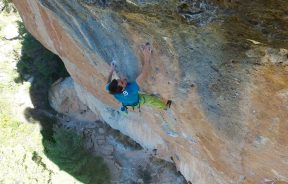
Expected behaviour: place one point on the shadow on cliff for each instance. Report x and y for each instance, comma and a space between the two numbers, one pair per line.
41, 68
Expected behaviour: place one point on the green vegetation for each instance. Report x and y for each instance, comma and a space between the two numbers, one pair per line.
7, 6
8, 88
41, 64
32, 150
145, 175
68, 153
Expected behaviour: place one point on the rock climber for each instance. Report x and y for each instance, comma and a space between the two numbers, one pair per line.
128, 94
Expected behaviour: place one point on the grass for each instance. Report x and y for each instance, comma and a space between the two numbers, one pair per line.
32, 150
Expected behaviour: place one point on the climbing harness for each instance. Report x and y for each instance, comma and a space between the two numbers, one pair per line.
124, 107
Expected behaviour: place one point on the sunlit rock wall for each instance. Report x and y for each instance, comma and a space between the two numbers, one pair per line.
223, 63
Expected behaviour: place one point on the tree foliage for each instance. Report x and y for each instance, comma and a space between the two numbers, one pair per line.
40, 64
68, 153
7, 6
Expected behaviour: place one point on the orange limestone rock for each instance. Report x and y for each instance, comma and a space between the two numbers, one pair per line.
225, 69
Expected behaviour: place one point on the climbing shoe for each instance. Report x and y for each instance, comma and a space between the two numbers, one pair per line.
168, 104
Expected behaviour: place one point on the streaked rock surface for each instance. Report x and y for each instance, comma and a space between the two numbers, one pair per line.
223, 63
128, 162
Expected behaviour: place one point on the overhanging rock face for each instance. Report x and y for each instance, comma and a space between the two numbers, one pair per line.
222, 63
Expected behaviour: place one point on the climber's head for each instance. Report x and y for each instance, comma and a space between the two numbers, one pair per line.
122, 83
117, 86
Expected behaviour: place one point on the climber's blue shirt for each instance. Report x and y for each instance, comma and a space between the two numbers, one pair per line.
129, 96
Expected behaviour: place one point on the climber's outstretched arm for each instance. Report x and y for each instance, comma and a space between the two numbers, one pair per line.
146, 50
111, 73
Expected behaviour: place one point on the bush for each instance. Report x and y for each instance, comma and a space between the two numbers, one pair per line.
37, 61
7, 6
68, 153
41, 64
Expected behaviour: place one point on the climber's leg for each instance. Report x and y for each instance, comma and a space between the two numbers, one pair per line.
153, 101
